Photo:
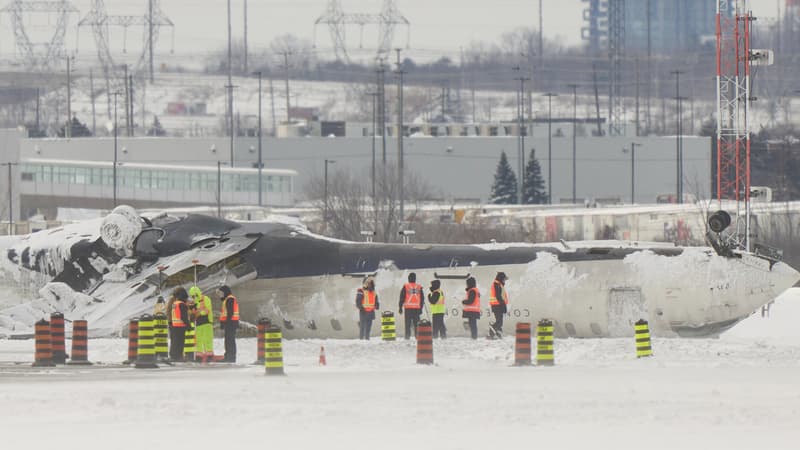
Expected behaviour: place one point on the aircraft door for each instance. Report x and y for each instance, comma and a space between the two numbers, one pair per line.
625, 307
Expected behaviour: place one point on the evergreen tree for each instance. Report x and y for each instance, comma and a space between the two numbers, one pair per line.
533, 192
157, 129
78, 129
504, 188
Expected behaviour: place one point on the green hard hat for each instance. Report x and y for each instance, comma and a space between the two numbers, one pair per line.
195, 291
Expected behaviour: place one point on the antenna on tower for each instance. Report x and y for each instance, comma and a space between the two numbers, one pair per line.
735, 57
387, 20
38, 55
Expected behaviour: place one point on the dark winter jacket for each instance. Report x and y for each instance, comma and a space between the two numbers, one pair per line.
403, 298
184, 310
498, 294
470, 299
360, 300
433, 297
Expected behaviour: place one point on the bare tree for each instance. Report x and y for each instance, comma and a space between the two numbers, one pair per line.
351, 207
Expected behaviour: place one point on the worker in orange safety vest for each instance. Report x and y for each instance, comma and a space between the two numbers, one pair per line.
498, 301
472, 307
179, 321
411, 300
228, 321
367, 303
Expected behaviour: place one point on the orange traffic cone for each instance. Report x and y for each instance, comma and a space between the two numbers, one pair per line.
322, 361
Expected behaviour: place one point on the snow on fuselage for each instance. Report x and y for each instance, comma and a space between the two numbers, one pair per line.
592, 289
307, 283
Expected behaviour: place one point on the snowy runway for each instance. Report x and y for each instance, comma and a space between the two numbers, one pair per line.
726, 393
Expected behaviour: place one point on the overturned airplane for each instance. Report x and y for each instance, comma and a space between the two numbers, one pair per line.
306, 283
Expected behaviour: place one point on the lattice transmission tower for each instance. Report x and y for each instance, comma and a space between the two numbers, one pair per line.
100, 21
35, 55
735, 57
387, 20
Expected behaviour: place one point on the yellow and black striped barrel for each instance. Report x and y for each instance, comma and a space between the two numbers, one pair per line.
80, 343
273, 351
545, 356
146, 348
643, 347
388, 330
189, 343
161, 330
44, 351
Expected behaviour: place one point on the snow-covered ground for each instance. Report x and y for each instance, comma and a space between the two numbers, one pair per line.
736, 392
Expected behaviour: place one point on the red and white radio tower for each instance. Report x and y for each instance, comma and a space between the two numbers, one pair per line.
733, 107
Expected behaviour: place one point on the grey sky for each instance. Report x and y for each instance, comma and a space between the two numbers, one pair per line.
436, 25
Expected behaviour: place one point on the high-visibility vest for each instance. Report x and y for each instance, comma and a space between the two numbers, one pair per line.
205, 310
438, 307
367, 300
413, 298
475, 306
223, 316
177, 320
493, 294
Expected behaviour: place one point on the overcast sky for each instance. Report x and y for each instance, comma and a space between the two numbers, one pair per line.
436, 25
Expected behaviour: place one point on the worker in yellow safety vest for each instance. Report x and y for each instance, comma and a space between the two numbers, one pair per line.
204, 322
436, 299
229, 321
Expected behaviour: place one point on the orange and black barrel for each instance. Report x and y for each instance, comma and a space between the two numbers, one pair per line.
57, 338
642, 333
80, 343
133, 341
424, 342
161, 333
545, 356
273, 346
261, 349
146, 352
44, 352
522, 344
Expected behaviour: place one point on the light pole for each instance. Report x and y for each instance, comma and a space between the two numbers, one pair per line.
550, 96
10, 198
68, 128
219, 186
325, 214
374, 206
678, 125
574, 135
400, 154
260, 161
114, 168
521, 135
633, 171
